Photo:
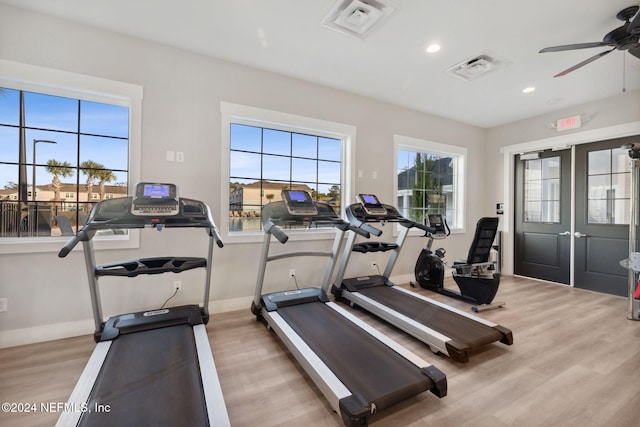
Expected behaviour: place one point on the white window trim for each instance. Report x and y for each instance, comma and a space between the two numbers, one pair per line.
15, 75
236, 113
401, 142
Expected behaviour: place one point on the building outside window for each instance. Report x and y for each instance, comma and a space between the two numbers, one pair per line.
58, 156
430, 179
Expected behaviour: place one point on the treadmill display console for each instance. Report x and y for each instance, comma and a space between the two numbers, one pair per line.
436, 221
371, 204
155, 199
299, 202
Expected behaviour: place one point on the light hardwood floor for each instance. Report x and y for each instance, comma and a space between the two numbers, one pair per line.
575, 361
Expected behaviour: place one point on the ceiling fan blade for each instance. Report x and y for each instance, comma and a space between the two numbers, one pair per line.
634, 26
583, 63
635, 51
574, 46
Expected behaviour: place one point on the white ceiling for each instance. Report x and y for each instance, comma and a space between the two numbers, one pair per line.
286, 37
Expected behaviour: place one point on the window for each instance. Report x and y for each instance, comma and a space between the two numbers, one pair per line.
54, 147
609, 181
430, 179
542, 190
66, 141
270, 151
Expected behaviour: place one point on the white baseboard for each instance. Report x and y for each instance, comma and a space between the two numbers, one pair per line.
56, 331
43, 333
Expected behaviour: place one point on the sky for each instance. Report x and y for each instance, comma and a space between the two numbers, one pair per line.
283, 156
60, 117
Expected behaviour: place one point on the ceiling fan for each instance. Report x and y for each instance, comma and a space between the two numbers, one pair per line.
625, 37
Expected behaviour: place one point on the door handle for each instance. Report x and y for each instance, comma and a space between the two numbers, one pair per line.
579, 234
565, 233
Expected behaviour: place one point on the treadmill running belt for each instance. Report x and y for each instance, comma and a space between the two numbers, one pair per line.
459, 328
153, 379
363, 364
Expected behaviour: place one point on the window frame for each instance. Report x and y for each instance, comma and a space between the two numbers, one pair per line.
30, 78
253, 116
401, 142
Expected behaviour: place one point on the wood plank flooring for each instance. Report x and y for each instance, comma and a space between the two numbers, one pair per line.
575, 361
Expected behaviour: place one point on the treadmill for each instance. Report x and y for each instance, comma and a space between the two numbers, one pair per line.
443, 328
358, 369
153, 367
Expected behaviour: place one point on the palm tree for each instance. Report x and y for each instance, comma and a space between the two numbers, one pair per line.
104, 176
91, 169
58, 169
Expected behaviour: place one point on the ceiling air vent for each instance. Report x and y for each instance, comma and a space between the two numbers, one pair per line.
357, 17
473, 68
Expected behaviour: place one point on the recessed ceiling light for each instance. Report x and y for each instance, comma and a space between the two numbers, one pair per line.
433, 48
528, 89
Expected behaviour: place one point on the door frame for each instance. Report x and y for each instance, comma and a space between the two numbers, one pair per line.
559, 142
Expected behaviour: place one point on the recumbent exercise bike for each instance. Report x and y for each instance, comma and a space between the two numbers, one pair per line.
476, 277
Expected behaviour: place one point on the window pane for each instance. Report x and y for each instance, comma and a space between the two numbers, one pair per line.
245, 165
50, 112
276, 168
599, 186
111, 153
304, 146
533, 170
597, 211
551, 189
329, 172
533, 211
8, 182
621, 212
533, 190
304, 170
329, 149
405, 161
9, 107
551, 168
9, 144
620, 161
246, 138
550, 211
620, 183
599, 162
104, 119
276, 142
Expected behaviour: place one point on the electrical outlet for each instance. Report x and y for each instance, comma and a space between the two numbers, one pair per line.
374, 265
292, 273
4, 304
180, 156
177, 286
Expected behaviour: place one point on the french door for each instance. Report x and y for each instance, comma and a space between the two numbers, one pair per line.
543, 216
575, 236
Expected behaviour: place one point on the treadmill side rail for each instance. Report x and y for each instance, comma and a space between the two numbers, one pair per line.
332, 388
216, 409
80, 394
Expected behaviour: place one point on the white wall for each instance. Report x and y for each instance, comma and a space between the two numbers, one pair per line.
48, 296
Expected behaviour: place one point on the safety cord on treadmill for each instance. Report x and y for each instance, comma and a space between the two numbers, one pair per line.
165, 303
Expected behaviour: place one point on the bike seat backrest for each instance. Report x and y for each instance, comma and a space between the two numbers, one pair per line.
480, 249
